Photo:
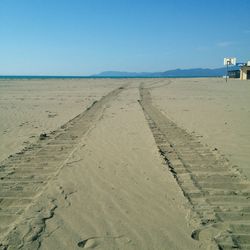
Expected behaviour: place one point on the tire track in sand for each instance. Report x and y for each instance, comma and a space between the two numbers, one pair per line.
24, 176
219, 195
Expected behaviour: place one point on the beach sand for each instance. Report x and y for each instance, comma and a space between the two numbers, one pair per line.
216, 111
124, 164
31, 107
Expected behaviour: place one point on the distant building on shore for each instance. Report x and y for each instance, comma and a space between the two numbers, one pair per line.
245, 71
234, 73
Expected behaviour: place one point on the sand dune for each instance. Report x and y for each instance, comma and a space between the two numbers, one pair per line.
121, 174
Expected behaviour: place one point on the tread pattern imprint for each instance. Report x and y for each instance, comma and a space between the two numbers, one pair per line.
25, 175
218, 193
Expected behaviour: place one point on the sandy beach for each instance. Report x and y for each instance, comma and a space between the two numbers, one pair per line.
31, 107
218, 113
124, 164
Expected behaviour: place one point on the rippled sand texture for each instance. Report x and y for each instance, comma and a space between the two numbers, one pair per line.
31, 107
215, 111
120, 171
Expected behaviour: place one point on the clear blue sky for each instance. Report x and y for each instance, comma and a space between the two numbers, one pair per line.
81, 37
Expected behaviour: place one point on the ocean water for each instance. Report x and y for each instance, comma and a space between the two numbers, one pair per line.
91, 77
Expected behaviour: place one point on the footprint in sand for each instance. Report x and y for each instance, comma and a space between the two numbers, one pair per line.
52, 115
93, 242
88, 243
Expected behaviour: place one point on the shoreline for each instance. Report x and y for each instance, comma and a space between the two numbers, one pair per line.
100, 77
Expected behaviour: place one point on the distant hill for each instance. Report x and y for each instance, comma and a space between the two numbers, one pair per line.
196, 72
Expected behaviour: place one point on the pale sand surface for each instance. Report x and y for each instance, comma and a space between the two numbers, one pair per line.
216, 111
122, 197
31, 107
99, 182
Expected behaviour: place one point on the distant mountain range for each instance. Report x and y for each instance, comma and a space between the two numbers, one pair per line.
196, 72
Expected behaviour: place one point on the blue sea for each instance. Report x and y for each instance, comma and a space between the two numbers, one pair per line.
10, 77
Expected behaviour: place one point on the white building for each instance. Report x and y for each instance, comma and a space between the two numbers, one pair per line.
245, 71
